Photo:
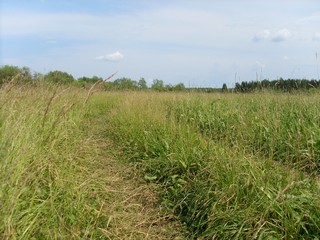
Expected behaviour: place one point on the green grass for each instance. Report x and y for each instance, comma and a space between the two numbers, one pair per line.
215, 172
47, 191
229, 166
61, 177
279, 127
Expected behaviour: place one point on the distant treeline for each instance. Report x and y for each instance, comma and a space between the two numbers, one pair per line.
288, 85
14, 73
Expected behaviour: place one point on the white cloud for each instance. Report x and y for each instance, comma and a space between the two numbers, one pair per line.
164, 25
285, 58
264, 34
281, 35
277, 36
112, 57
186, 27
174, 41
312, 19
316, 36
51, 25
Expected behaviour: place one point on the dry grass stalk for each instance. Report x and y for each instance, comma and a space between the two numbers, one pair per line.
91, 90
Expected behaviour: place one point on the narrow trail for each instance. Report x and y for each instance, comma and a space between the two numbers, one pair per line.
133, 205
130, 204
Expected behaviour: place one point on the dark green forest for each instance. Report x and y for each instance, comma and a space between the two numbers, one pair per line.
283, 85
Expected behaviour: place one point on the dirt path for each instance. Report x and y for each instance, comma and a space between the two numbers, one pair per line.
134, 210
130, 204
133, 206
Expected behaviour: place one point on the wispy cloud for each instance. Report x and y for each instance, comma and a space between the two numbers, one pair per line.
112, 57
316, 36
281, 35
170, 40
286, 58
314, 18
262, 35
275, 36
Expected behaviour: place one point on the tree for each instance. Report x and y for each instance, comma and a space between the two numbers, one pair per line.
125, 83
179, 87
157, 85
25, 74
168, 87
224, 88
9, 72
93, 79
87, 81
142, 83
59, 77
38, 76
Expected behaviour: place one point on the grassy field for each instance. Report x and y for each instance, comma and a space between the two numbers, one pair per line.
47, 191
225, 165
62, 177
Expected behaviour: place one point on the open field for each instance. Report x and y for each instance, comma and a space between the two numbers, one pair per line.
242, 166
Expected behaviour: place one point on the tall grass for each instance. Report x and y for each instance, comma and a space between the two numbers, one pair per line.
213, 174
46, 188
278, 127
228, 166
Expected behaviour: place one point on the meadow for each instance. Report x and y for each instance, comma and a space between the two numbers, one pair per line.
225, 166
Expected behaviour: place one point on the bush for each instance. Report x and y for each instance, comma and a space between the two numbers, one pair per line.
59, 77
7, 73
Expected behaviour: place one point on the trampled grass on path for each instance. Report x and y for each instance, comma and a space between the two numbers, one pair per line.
58, 175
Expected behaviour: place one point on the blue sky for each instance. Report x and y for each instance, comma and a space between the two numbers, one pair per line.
202, 43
